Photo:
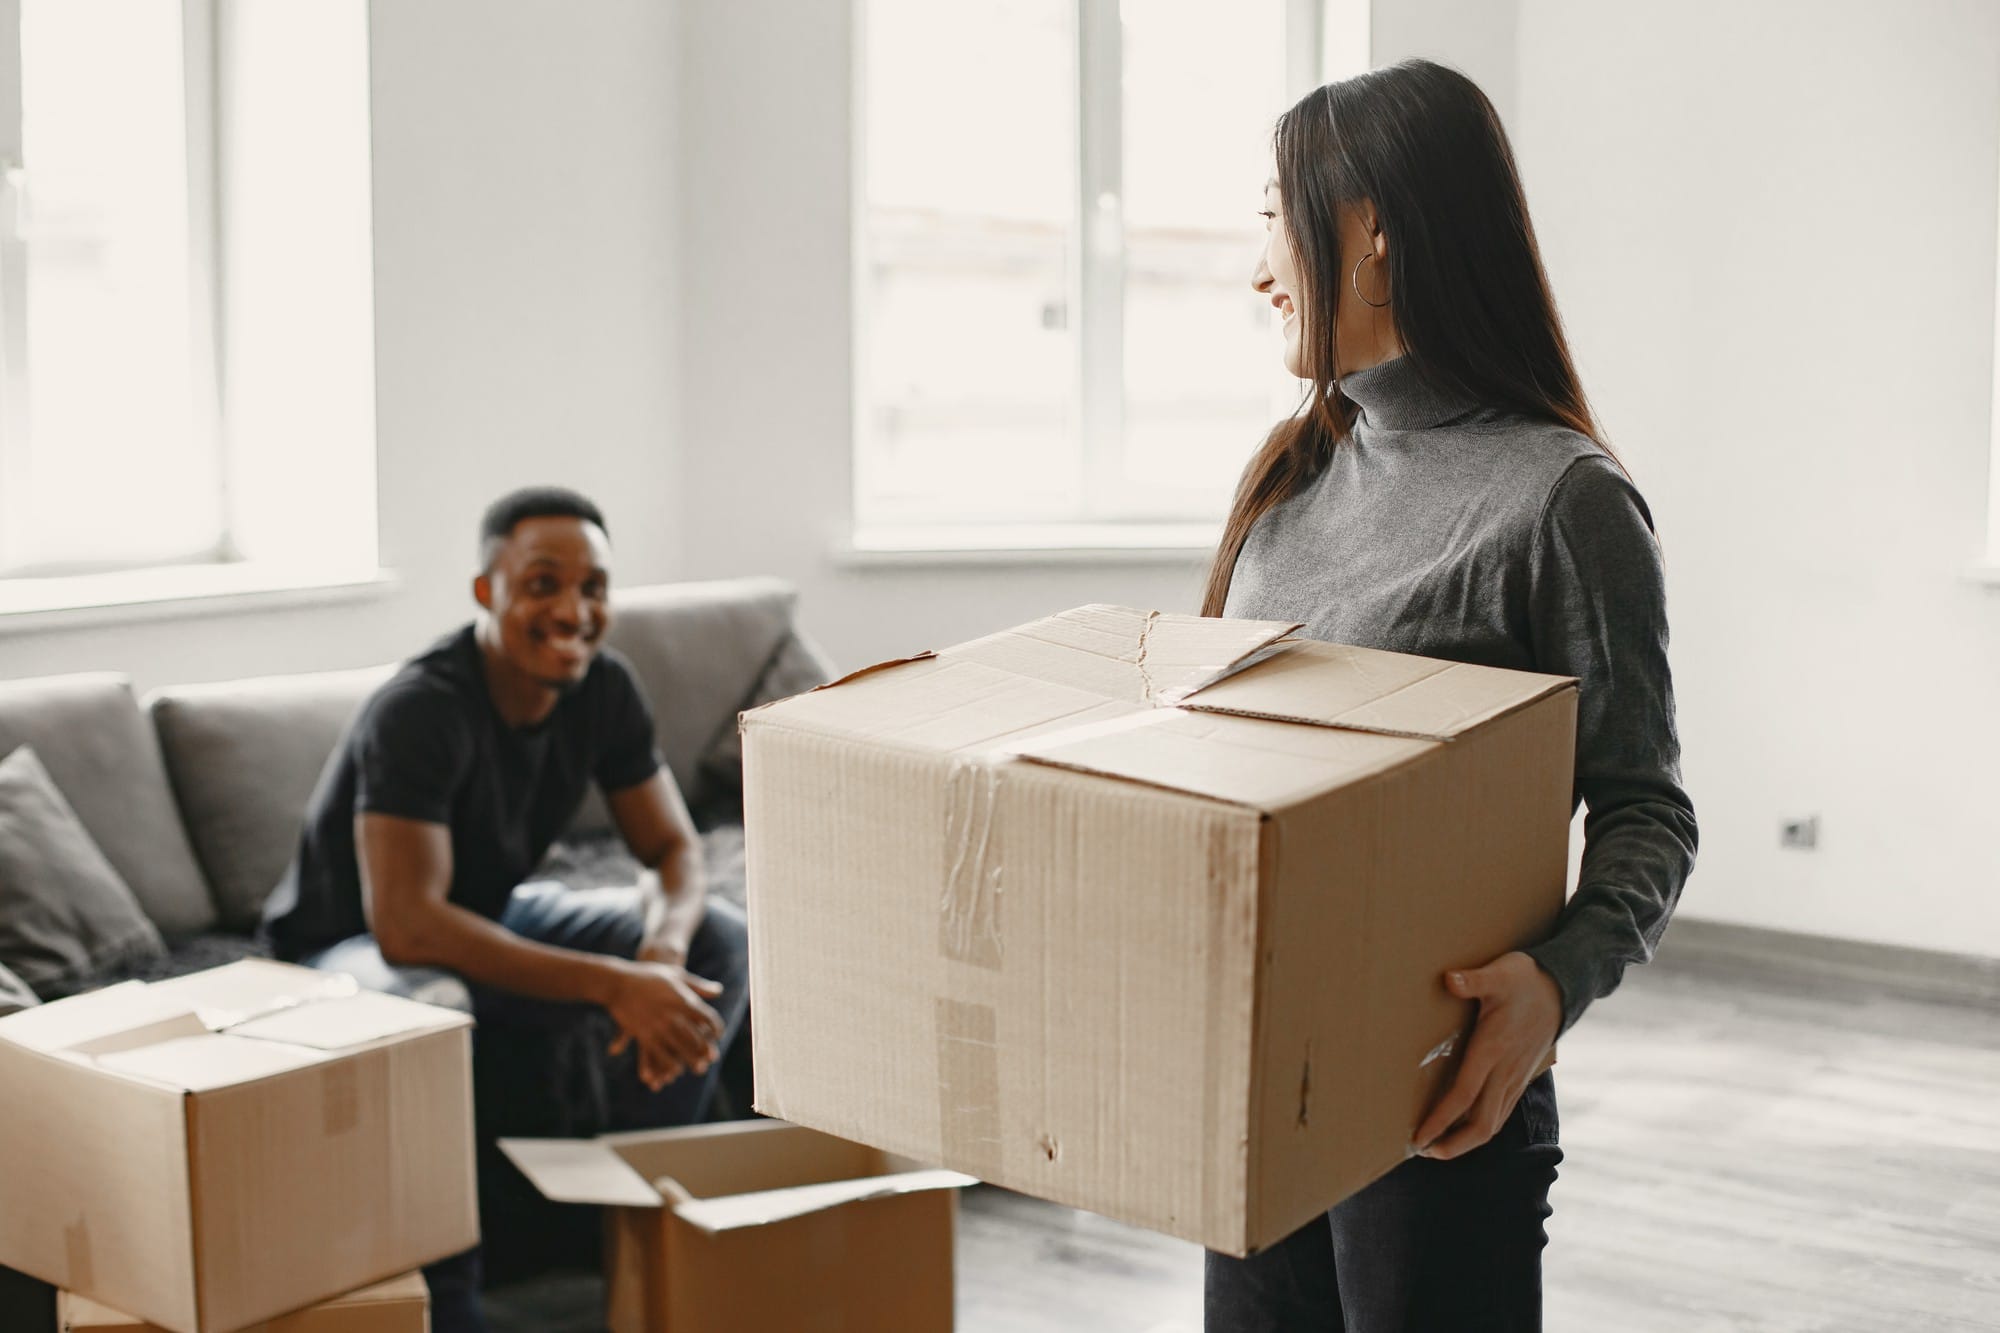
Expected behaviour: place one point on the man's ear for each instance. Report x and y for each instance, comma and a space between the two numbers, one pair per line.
482, 591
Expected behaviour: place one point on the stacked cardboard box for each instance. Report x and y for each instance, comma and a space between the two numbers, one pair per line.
218, 1150
401, 1305
758, 1225
1141, 913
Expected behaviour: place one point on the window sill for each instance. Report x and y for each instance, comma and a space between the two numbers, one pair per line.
177, 592
1029, 544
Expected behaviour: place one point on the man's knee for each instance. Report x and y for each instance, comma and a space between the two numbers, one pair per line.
361, 958
720, 950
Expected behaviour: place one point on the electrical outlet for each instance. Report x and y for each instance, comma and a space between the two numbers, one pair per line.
1802, 834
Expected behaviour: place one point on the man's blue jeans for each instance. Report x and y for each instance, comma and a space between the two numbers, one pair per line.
605, 921
1432, 1247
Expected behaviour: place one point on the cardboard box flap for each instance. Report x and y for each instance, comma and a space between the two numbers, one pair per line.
178, 1025
84, 1019
1259, 764
733, 1211
1361, 689
339, 1024
214, 1060
1142, 657
937, 705
580, 1171
240, 991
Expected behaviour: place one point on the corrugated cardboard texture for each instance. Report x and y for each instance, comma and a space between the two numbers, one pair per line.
400, 1305
999, 928
1375, 891
765, 1226
205, 1181
314, 1182
94, 1184
1123, 973
862, 1268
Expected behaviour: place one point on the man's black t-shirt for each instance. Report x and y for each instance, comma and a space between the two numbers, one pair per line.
429, 745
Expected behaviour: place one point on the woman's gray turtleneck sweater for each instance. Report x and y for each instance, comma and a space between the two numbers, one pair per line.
1450, 530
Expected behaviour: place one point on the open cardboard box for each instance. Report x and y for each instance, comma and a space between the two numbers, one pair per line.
1141, 913
756, 1225
400, 1305
223, 1148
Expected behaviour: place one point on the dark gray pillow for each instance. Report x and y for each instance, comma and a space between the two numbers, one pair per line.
97, 745
244, 757
14, 994
65, 915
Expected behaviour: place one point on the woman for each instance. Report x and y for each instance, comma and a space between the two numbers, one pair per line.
1442, 491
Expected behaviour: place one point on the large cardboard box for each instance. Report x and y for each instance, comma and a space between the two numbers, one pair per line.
758, 1225
223, 1148
1144, 914
400, 1305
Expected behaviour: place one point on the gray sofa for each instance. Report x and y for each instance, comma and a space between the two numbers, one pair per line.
194, 795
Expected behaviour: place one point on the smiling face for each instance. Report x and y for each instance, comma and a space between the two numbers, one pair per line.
1277, 276
546, 591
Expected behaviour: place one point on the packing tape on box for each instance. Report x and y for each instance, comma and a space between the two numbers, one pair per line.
340, 1098
968, 1038
969, 907
79, 1272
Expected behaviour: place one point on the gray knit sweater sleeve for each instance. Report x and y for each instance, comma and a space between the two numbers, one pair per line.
1597, 611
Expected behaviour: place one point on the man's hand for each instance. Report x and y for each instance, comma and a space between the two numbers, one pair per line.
662, 1010
1520, 1012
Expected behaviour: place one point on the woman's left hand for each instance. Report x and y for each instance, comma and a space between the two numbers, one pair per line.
1520, 1012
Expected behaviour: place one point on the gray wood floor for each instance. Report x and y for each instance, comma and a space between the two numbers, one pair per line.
1742, 1155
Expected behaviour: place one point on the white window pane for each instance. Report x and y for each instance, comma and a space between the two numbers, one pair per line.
1203, 376
968, 356
113, 466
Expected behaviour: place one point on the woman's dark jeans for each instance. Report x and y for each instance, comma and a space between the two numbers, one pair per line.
1432, 1247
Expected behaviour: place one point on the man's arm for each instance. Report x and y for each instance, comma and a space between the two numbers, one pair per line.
405, 890
654, 822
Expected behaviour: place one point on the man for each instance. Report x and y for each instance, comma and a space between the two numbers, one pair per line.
449, 787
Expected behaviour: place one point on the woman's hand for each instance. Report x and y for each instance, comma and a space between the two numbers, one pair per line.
1520, 1012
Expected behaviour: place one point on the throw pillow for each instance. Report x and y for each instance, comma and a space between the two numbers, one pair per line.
64, 912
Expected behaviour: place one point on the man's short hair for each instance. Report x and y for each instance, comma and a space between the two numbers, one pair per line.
517, 507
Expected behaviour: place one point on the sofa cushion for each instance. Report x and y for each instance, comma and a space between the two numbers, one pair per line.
90, 735
244, 756
698, 650
65, 916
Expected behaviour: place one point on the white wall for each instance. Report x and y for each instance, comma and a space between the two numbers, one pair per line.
1771, 230
525, 209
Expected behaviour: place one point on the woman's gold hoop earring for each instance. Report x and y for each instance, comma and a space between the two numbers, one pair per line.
1354, 281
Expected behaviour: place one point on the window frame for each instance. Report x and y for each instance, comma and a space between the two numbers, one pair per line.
1318, 35
199, 93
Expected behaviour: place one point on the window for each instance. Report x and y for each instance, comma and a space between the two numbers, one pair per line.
186, 353
1056, 341
109, 454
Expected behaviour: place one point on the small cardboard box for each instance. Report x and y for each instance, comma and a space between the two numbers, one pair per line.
400, 1305
234, 1145
758, 1225
1145, 914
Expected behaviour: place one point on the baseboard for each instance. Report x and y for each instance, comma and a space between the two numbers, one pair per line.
1752, 952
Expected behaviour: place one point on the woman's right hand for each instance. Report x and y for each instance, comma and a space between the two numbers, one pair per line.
662, 1009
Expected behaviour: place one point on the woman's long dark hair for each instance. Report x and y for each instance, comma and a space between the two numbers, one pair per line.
1470, 299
